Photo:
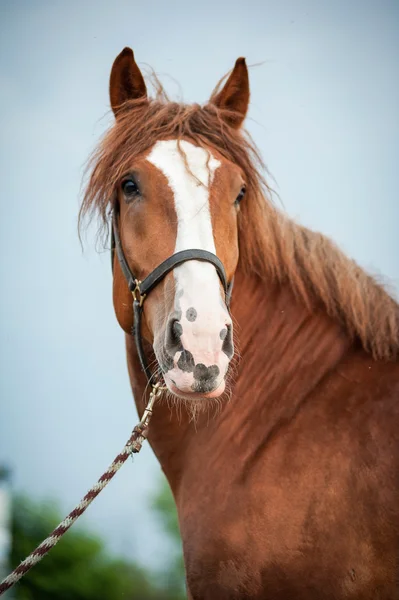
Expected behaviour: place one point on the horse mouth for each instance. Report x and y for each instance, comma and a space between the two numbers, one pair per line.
195, 394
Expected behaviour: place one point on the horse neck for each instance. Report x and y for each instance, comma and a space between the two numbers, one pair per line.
285, 352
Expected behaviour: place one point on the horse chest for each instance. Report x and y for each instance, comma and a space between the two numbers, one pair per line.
280, 536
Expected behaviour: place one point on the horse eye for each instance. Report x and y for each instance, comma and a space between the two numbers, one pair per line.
130, 189
240, 196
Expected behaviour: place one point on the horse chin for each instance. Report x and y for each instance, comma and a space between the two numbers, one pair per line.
195, 395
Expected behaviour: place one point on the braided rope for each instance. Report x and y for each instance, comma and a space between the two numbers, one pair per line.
133, 445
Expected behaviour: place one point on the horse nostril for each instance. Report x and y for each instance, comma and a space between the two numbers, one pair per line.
227, 336
174, 331
177, 329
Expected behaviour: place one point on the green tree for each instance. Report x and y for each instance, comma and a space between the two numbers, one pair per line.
79, 568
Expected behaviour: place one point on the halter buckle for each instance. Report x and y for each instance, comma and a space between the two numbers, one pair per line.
136, 293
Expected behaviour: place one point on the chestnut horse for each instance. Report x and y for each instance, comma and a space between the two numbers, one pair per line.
284, 464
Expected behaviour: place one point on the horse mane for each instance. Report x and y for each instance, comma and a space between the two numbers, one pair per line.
272, 246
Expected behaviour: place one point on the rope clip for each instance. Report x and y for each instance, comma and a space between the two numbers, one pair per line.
142, 427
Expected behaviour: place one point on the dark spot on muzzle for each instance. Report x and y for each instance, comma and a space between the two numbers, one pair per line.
186, 362
223, 334
191, 314
203, 372
205, 378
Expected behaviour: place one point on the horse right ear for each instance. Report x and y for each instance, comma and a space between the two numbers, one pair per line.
126, 81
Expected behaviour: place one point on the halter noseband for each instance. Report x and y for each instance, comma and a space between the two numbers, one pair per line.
141, 289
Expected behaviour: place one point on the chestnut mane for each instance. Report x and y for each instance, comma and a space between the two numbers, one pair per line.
272, 246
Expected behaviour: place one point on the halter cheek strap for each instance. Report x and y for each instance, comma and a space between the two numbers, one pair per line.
141, 289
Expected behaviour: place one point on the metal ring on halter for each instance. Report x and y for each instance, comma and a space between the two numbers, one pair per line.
136, 293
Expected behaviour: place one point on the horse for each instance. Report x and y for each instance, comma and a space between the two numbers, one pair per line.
278, 430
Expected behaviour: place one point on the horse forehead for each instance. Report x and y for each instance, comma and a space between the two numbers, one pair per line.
189, 169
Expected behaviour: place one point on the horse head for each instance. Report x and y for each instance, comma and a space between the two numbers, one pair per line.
173, 194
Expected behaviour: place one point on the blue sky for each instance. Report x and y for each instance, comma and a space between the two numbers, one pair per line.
324, 114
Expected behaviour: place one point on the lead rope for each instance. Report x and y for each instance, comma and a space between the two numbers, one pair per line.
133, 445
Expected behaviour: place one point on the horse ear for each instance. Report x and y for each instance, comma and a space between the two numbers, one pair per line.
234, 97
126, 81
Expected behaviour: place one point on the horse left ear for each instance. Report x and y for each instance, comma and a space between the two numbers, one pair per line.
234, 97
126, 81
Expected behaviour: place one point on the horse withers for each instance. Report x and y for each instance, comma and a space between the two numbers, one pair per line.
284, 464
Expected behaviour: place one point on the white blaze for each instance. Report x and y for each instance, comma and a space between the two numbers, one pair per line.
191, 198
197, 281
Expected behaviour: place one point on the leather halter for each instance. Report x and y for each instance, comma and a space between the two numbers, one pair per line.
141, 289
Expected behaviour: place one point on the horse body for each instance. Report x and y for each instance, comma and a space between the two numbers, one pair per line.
290, 491
284, 465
